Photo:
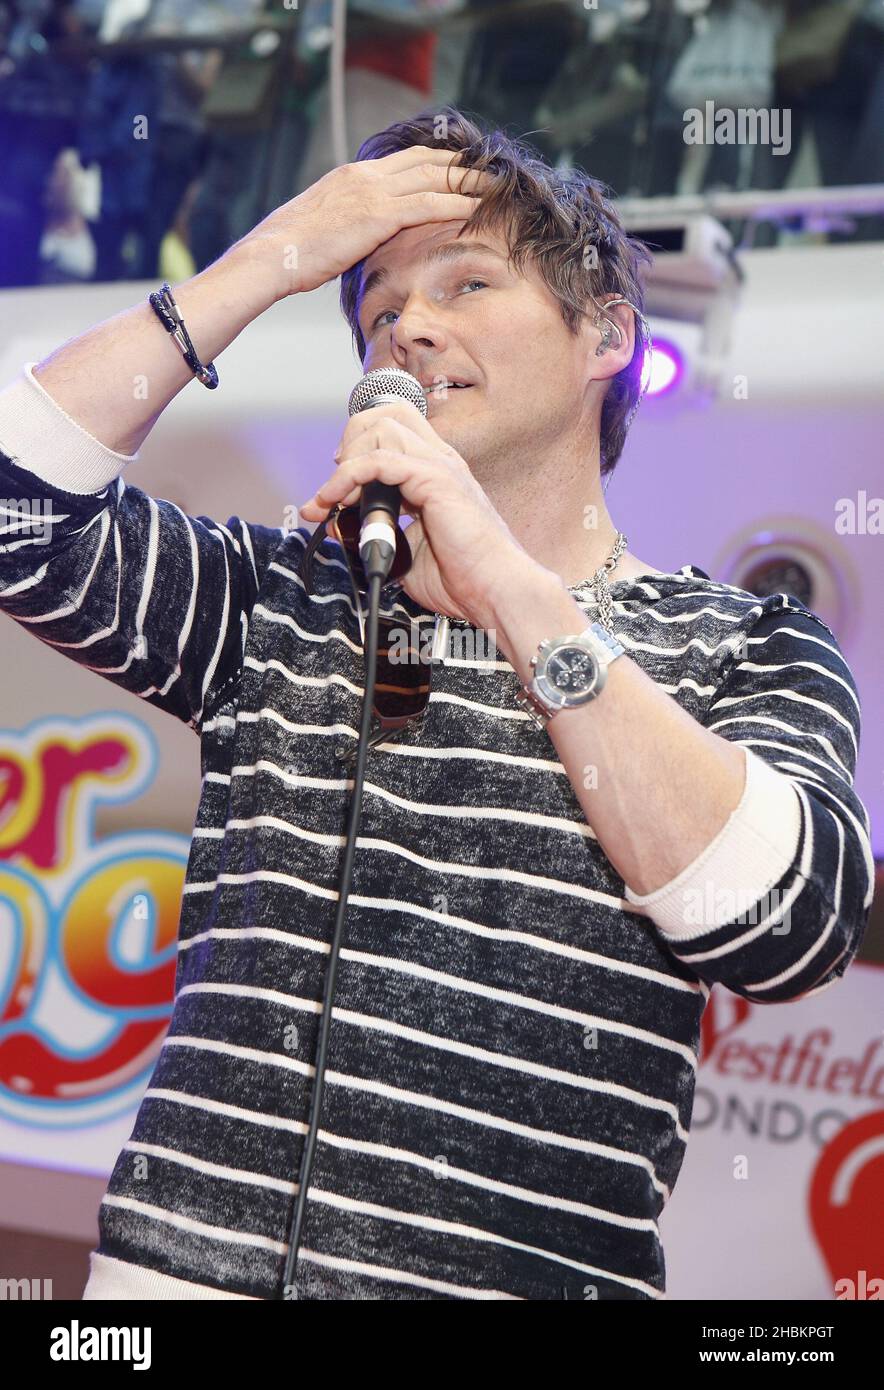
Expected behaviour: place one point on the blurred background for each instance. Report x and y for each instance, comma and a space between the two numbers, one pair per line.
234, 101
744, 141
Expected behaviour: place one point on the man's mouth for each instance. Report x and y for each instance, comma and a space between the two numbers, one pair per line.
441, 389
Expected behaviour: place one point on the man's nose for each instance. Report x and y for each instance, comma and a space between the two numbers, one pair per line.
419, 325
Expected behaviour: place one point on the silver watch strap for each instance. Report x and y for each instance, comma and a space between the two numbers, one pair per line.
529, 698
607, 638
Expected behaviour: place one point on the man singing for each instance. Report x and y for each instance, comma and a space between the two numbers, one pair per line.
556, 862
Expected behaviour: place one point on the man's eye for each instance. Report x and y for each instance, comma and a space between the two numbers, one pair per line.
483, 284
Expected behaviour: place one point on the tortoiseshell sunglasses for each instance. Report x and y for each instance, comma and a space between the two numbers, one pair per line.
402, 687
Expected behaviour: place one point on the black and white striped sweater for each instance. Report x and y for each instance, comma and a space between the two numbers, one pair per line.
513, 1050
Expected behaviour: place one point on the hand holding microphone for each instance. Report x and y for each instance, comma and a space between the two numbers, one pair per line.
464, 556
380, 503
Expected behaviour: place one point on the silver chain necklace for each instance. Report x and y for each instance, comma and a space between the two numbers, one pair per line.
600, 586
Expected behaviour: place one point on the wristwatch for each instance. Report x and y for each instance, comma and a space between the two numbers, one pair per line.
568, 671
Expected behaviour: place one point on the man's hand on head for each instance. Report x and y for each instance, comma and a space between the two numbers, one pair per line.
355, 208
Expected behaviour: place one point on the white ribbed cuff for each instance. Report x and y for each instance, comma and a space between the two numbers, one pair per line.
38, 435
110, 1278
751, 852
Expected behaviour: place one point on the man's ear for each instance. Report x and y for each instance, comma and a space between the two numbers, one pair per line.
610, 334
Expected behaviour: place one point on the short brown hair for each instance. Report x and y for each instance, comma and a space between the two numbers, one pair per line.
551, 215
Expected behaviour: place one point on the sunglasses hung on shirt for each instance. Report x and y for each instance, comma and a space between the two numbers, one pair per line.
402, 686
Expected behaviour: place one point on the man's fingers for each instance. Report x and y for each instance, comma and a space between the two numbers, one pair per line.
441, 178
387, 465
413, 156
408, 425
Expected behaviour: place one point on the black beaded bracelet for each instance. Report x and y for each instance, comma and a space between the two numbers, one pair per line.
169, 315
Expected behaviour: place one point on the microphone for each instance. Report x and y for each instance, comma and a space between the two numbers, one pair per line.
379, 503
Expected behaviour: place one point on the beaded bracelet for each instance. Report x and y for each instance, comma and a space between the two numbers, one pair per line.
169, 315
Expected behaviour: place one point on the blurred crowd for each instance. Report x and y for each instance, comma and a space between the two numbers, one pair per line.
140, 138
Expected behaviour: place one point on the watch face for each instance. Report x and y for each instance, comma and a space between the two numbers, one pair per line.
571, 670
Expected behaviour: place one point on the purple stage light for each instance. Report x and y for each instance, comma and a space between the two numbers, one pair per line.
667, 368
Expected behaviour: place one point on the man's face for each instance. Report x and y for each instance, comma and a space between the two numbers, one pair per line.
447, 309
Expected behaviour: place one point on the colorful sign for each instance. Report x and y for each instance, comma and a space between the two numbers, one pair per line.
781, 1194
88, 928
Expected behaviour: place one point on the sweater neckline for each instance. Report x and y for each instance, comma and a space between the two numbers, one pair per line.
634, 581
582, 591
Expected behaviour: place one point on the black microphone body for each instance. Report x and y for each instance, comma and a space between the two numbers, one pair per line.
380, 503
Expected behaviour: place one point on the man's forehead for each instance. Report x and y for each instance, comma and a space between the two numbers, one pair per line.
426, 243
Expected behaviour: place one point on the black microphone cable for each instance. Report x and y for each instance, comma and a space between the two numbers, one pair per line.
377, 563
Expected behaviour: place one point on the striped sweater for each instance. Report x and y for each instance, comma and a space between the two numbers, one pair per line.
513, 1050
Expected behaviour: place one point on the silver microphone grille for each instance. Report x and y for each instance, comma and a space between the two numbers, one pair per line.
383, 386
